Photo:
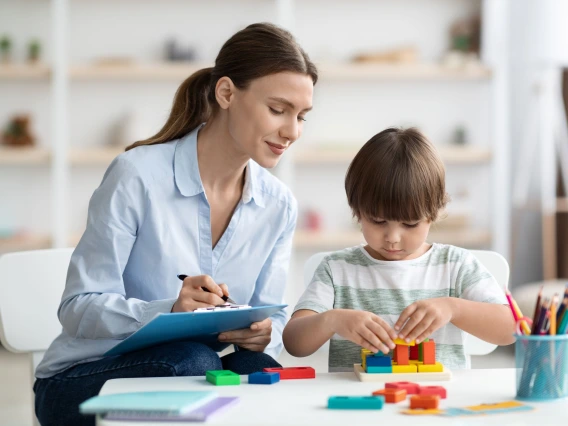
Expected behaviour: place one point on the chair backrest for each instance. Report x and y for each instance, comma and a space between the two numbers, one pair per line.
495, 263
31, 285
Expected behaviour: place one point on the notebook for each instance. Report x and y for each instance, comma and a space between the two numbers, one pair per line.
199, 414
196, 326
163, 402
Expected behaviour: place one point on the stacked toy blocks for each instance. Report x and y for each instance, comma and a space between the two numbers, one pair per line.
407, 357
268, 376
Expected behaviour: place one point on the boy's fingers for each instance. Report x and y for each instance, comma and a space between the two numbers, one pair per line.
419, 329
382, 335
359, 340
413, 321
404, 316
385, 326
372, 338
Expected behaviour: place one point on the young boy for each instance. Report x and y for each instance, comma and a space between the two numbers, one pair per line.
398, 285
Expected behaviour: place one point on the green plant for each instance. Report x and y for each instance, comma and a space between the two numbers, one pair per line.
5, 44
34, 50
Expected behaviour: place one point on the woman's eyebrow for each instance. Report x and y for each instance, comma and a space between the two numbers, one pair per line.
287, 103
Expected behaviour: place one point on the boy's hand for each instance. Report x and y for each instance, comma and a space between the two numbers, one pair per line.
256, 338
423, 318
363, 328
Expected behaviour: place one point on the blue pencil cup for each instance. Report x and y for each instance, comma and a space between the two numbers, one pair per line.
542, 367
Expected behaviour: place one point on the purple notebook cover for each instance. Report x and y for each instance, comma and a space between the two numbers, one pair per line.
200, 414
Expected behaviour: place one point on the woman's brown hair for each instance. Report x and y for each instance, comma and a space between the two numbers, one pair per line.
397, 175
258, 50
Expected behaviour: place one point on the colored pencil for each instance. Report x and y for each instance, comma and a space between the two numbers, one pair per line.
537, 311
552, 329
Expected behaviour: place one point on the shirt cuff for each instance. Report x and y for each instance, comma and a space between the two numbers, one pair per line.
157, 307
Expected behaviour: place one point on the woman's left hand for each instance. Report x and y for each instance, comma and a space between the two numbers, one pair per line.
256, 338
423, 318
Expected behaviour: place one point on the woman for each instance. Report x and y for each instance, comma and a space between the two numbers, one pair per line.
194, 199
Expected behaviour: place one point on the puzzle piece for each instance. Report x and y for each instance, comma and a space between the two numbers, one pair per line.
287, 373
428, 352
355, 402
392, 395
409, 387
433, 390
427, 402
262, 378
404, 342
434, 368
411, 368
222, 377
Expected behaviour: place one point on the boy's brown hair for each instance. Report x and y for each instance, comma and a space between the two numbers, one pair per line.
397, 175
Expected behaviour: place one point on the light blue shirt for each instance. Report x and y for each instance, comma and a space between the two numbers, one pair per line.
150, 220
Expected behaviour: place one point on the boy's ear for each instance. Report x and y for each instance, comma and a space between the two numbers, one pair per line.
224, 92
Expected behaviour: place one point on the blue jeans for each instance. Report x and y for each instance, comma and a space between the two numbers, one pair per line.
57, 398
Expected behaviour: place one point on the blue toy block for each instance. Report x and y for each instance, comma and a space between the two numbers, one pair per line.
355, 402
261, 378
379, 369
379, 361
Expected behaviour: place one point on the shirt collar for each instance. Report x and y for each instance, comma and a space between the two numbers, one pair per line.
188, 179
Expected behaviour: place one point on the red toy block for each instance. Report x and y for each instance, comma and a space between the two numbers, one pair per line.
293, 372
433, 390
392, 395
429, 352
411, 388
414, 353
427, 402
400, 355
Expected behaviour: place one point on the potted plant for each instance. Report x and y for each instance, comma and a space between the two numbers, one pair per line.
5, 48
34, 50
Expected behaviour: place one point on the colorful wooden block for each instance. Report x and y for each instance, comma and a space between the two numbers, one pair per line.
392, 395
426, 402
364, 354
355, 402
287, 373
222, 377
378, 361
433, 390
262, 378
430, 368
410, 387
401, 355
404, 342
414, 353
428, 352
411, 368
378, 370
422, 412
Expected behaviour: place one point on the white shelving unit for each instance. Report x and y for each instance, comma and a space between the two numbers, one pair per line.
64, 73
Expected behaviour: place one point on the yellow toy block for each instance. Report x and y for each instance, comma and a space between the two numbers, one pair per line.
422, 412
404, 368
414, 362
364, 353
430, 368
404, 342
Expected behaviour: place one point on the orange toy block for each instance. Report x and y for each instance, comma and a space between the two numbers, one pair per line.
400, 355
426, 402
429, 352
392, 395
411, 388
414, 353
433, 390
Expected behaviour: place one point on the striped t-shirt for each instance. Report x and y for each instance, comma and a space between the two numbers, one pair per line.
352, 279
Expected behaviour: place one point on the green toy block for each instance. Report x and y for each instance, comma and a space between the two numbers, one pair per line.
371, 369
420, 353
222, 377
356, 402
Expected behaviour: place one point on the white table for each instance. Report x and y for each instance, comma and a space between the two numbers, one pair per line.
304, 402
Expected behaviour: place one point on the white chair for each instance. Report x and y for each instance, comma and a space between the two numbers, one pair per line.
31, 285
495, 263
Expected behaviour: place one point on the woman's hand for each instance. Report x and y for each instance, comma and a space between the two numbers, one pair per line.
423, 318
256, 338
363, 328
192, 296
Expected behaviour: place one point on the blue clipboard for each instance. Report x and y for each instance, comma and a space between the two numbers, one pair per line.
201, 327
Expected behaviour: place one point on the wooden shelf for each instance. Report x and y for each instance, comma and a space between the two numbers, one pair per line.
24, 156
24, 72
331, 71
340, 239
340, 155
136, 71
418, 71
96, 156
27, 242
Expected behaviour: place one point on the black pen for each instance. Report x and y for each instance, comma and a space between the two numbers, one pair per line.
225, 298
